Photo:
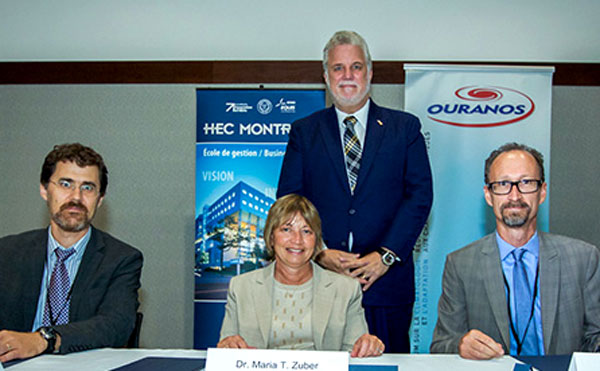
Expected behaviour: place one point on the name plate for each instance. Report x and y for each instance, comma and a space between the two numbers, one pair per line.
584, 361
220, 359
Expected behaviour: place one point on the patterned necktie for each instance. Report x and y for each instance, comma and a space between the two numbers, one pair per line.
523, 305
352, 150
56, 311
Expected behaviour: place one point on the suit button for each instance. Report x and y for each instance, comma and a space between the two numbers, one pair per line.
351, 211
344, 243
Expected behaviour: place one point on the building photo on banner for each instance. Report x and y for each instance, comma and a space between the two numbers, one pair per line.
466, 113
241, 138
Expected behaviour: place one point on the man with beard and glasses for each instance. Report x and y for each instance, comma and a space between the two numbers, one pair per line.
69, 287
519, 291
366, 170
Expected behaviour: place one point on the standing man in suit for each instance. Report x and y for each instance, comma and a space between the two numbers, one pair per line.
366, 170
68, 287
518, 290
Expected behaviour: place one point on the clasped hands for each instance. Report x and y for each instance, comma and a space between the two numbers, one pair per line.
366, 269
366, 346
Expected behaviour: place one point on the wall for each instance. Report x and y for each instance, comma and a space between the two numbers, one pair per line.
409, 30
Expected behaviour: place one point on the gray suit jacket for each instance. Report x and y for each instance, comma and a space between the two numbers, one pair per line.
338, 318
473, 295
104, 299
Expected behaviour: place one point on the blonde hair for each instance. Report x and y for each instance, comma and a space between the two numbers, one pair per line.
284, 209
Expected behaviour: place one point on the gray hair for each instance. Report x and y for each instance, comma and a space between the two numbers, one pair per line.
539, 158
346, 38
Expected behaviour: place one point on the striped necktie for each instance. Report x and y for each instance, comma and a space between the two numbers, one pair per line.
352, 150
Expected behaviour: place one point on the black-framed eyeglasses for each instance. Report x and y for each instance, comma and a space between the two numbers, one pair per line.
504, 187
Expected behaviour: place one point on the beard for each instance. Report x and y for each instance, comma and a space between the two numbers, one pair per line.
342, 101
518, 218
71, 222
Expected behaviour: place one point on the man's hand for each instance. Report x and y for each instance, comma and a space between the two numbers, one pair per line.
234, 341
367, 346
18, 345
367, 269
336, 260
477, 345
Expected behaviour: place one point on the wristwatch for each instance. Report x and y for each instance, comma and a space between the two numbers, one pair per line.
387, 256
49, 334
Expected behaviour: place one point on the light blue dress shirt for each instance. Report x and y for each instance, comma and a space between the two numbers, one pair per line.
72, 264
531, 258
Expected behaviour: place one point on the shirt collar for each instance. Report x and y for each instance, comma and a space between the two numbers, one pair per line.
533, 246
78, 246
361, 115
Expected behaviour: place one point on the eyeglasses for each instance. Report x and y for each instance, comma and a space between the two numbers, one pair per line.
504, 187
87, 189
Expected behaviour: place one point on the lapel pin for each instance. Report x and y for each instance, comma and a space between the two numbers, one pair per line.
380, 123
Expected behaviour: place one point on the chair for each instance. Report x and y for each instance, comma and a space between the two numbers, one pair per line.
134, 338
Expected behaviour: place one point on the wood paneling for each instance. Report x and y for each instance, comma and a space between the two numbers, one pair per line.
235, 72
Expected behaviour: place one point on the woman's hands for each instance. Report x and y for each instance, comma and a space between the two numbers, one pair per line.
234, 341
367, 346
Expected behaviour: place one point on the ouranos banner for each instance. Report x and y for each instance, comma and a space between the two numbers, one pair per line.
241, 138
466, 112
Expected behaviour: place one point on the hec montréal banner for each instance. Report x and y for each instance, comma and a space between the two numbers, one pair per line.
467, 112
241, 137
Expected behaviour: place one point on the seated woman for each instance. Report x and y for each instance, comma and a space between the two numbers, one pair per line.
293, 303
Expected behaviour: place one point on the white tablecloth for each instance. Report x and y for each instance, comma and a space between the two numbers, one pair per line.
106, 359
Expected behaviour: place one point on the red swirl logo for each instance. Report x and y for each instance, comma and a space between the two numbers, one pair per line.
478, 94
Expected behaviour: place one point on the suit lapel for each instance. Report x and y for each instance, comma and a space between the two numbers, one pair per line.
33, 269
263, 307
373, 137
92, 258
322, 305
494, 288
329, 128
549, 287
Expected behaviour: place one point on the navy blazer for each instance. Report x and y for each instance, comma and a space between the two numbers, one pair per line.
392, 198
104, 299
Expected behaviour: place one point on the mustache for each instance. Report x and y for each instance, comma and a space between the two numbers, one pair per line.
341, 84
75, 204
514, 204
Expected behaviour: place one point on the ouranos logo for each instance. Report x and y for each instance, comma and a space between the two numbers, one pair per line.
483, 106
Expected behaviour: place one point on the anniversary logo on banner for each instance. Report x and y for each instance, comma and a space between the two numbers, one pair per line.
466, 112
241, 138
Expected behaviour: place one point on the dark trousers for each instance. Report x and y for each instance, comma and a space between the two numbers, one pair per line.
390, 324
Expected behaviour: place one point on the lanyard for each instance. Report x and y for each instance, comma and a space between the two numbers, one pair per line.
512, 325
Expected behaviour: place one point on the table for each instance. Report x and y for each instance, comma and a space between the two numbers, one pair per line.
108, 358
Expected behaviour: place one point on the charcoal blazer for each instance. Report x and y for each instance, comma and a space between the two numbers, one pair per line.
104, 296
392, 197
337, 316
473, 295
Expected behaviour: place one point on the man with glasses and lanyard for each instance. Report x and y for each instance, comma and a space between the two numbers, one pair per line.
519, 291
69, 287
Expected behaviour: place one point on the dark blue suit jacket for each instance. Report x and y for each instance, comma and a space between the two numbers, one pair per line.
392, 198
104, 299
